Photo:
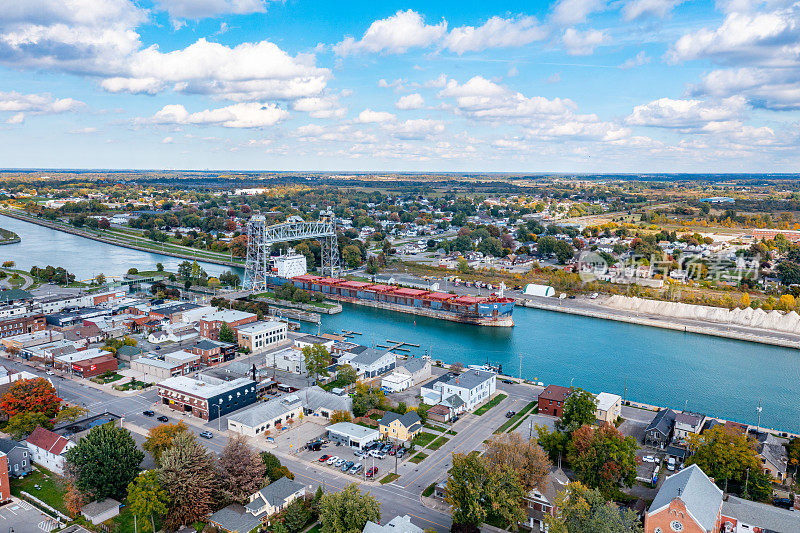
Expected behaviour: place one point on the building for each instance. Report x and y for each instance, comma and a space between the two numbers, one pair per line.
290, 265
22, 324
658, 432
398, 524
188, 360
18, 457
770, 234
418, 368
99, 512
471, 388
28, 340
259, 336
5, 483
266, 416
541, 501
77, 362
772, 452
207, 397
371, 362
689, 502
687, 423
551, 400
440, 413
153, 368
396, 382
270, 500
401, 428
289, 359
319, 402
352, 435
212, 322
213, 352
609, 407
95, 366
47, 449
312, 340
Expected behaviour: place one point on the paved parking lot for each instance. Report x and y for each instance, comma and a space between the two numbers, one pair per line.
347, 453
21, 517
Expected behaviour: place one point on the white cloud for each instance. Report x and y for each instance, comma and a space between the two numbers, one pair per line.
198, 9
410, 101
396, 84
437, 83
637, 61
395, 35
369, 116
635, 9
579, 43
765, 88
320, 107
244, 115
22, 105
496, 32
568, 12
17, 118
685, 114
167, 140
416, 129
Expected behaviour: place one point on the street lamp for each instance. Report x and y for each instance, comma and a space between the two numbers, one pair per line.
219, 417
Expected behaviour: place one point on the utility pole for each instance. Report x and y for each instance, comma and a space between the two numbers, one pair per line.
520, 368
758, 427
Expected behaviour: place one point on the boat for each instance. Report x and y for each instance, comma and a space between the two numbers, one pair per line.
494, 310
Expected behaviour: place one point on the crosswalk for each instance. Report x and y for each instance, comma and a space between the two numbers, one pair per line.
48, 525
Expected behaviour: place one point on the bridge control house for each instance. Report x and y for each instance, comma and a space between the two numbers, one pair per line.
207, 397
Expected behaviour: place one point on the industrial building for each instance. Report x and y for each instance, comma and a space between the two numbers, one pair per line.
207, 397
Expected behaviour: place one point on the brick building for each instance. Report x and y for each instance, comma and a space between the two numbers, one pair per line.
213, 352
211, 323
207, 397
5, 485
22, 324
551, 400
95, 366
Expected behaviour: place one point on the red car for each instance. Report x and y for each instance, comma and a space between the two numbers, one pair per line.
372, 471
324, 458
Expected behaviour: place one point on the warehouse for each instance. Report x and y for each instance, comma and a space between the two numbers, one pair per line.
353, 435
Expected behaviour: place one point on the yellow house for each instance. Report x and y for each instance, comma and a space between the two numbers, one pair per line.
400, 427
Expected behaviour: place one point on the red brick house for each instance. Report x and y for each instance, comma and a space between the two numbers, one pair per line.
551, 400
16, 325
5, 486
210, 324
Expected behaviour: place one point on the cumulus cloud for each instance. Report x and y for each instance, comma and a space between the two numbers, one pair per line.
637, 61
496, 32
568, 12
243, 115
410, 101
22, 105
635, 9
370, 116
685, 113
583, 43
320, 107
416, 129
394, 35
194, 9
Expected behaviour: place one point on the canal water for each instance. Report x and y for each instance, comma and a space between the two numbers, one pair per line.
716, 376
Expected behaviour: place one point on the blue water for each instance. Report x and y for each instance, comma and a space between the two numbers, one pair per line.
718, 377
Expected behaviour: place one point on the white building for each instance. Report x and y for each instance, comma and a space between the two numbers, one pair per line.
48, 449
260, 336
418, 368
290, 265
370, 362
288, 359
609, 407
473, 387
352, 435
396, 382
266, 416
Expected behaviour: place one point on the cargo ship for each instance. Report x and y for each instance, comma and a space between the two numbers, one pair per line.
491, 310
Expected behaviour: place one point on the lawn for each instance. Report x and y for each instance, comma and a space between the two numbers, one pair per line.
434, 427
103, 379
494, 401
316, 528
389, 478
417, 459
438, 443
423, 439
516, 418
51, 489
428, 492
134, 384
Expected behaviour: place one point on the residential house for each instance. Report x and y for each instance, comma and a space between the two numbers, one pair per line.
440, 413
18, 457
472, 388
419, 368
263, 504
266, 416
687, 423
609, 407
551, 400
372, 362
658, 432
773, 454
541, 501
402, 428
398, 524
48, 449
213, 352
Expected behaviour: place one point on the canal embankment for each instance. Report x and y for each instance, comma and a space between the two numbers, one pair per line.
8, 237
116, 241
598, 309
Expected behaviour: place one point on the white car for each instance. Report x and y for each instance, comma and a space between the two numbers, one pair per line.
50, 373
648, 459
332, 460
671, 464
594, 296
377, 455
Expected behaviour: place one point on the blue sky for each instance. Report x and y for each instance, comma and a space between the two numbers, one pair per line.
567, 86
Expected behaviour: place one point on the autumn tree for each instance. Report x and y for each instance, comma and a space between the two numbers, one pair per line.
105, 461
273, 467
22, 424
147, 499
74, 499
70, 414
724, 455
348, 511
160, 438
341, 416
187, 473
317, 360
31, 395
526, 457
603, 458
584, 509
580, 408
240, 472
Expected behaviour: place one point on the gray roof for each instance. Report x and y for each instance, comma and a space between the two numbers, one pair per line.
663, 422
98, 508
315, 397
262, 412
14, 294
6, 445
398, 524
776, 454
701, 497
415, 364
469, 379
453, 401
690, 419
235, 518
369, 356
278, 491
408, 420
767, 517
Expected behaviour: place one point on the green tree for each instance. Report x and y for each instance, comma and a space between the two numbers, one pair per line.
160, 438
146, 498
226, 334
296, 515
187, 474
351, 255
603, 458
554, 442
273, 467
725, 455
348, 511
105, 461
580, 408
160, 267
70, 414
347, 375
317, 360
22, 424
584, 509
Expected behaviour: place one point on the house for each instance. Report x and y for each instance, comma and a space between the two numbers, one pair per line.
658, 432
396, 382
266, 416
99, 512
419, 368
609, 407
213, 352
258, 336
206, 397
18, 457
772, 452
687, 423
689, 502
440, 413
401, 428
541, 501
372, 362
551, 400
472, 388
398, 524
48, 449
268, 501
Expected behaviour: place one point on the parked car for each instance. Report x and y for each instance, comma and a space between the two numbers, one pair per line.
148, 413
648, 459
359, 453
358, 467
50, 373
401, 452
671, 464
594, 296
339, 463
510, 414
508, 382
332, 460
393, 450
377, 454
386, 448
347, 466
162, 418
372, 471
206, 434
324, 458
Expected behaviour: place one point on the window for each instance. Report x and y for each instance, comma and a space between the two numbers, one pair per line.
676, 526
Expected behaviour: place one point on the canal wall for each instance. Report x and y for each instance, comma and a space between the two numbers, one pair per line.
762, 336
113, 241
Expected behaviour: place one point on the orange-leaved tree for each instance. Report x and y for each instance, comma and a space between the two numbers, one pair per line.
31, 395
